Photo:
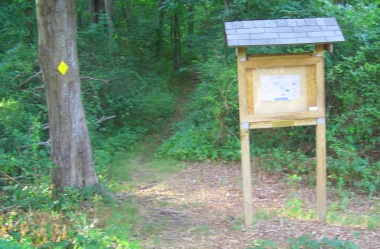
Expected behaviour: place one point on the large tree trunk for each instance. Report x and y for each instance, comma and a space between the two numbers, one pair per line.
96, 8
91, 7
70, 144
28, 35
190, 21
176, 42
109, 12
160, 29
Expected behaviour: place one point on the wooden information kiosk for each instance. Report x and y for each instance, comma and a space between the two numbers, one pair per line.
282, 90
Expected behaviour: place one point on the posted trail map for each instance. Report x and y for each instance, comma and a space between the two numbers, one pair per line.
280, 87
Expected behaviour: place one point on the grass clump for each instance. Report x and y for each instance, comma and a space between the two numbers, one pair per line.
74, 219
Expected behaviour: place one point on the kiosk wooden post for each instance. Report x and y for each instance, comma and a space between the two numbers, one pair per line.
321, 147
282, 90
321, 170
244, 141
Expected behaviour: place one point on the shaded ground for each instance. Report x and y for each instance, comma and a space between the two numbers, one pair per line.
201, 207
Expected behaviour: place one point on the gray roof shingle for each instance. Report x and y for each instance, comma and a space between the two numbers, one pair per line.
283, 32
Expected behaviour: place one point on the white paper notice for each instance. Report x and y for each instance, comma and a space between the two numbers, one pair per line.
280, 87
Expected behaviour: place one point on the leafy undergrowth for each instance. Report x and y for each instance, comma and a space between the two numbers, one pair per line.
32, 218
307, 241
161, 203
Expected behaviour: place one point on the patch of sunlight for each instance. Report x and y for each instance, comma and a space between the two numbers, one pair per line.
262, 214
162, 186
166, 165
366, 221
338, 213
294, 208
202, 230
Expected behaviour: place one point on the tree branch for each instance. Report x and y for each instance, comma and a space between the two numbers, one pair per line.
102, 119
18, 75
7, 208
47, 143
6, 175
28, 80
91, 78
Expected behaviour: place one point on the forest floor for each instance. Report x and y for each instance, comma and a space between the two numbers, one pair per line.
200, 205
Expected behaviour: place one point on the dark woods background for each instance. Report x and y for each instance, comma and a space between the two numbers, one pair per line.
140, 57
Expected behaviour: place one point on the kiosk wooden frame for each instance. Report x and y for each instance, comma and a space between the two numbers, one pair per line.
314, 108
306, 68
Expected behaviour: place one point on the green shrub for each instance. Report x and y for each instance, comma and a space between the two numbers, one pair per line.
19, 143
210, 128
352, 87
37, 220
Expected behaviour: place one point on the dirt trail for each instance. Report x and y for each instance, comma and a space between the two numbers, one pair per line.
201, 207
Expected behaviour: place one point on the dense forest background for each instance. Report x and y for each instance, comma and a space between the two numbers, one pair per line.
136, 65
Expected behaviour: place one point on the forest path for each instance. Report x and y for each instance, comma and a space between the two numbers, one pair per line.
200, 205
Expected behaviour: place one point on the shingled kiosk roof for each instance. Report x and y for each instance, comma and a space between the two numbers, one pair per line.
283, 32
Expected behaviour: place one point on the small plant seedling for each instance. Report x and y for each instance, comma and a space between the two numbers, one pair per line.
263, 244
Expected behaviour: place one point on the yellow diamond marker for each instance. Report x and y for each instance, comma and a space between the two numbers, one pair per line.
62, 68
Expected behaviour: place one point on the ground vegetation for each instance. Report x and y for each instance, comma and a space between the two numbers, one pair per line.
159, 90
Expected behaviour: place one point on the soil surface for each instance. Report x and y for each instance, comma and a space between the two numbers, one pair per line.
201, 206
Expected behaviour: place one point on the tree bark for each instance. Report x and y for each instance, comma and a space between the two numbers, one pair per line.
160, 29
91, 7
28, 37
190, 22
70, 144
109, 12
176, 42
96, 8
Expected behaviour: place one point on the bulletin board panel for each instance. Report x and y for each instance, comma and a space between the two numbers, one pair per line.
278, 90
282, 87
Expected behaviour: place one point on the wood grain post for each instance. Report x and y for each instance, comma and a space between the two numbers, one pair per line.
321, 170
246, 170
321, 145
244, 140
